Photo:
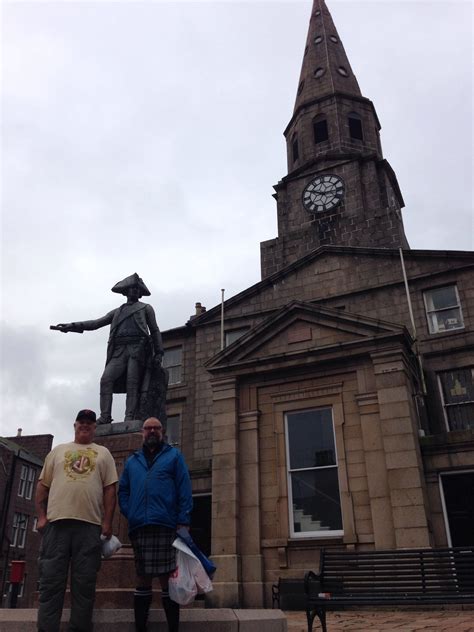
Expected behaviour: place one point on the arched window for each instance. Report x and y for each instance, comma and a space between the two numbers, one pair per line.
320, 128
355, 126
295, 148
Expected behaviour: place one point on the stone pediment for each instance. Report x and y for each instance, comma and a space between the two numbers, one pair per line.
332, 271
300, 329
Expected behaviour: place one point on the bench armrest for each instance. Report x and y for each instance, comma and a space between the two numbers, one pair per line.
310, 579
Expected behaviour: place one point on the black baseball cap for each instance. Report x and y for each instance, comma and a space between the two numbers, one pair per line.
86, 414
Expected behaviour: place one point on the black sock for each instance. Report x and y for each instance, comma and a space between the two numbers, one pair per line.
171, 609
141, 604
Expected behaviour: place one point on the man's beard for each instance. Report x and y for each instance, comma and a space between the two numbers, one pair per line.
153, 443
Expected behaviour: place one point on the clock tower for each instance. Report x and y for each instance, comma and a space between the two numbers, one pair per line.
339, 190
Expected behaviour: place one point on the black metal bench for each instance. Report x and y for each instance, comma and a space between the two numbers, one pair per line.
385, 578
289, 594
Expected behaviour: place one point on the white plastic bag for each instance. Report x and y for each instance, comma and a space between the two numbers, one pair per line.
110, 546
189, 578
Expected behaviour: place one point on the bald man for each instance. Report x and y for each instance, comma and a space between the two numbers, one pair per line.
155, 496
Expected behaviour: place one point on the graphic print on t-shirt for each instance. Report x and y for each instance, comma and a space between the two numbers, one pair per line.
79, 463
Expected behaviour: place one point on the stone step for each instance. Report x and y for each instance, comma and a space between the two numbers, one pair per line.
192, 620
122, 598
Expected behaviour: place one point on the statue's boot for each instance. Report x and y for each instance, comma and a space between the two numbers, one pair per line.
131, 404
105, 408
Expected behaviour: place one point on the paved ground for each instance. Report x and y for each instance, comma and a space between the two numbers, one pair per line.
388, 621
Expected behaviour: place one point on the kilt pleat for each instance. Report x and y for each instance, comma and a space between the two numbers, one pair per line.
153, 549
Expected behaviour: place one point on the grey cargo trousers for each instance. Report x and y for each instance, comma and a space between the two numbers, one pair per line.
75, 543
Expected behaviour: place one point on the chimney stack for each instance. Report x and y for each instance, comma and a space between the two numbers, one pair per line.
19, 431
200, 309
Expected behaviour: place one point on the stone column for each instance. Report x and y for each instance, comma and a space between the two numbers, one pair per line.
377, 477
399, 429
249, 481
225, 495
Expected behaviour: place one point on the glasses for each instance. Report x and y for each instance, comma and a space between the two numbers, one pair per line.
155, 428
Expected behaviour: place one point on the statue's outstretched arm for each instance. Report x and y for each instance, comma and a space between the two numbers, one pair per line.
85, 325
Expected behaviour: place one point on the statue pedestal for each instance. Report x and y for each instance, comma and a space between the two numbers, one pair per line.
118, 428
116, 579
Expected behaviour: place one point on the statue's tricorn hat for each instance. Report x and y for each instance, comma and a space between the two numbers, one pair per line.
131, 281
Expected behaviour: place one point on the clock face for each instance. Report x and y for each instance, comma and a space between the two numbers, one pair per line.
323, 193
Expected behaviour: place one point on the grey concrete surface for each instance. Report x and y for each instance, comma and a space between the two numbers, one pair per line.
192, 620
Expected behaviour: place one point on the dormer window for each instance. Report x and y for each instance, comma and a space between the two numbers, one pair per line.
320, 129
355, 126
295, 148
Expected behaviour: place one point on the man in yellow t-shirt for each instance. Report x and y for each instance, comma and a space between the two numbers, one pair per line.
75, 502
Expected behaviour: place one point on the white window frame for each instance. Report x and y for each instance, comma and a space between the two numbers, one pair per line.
428, 311
35, 525
443, 401
175, 376
309, 534
27, 479
30, 483
19, 529
8, 586
23, 479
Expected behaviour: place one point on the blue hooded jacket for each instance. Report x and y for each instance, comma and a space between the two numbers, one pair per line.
160, 494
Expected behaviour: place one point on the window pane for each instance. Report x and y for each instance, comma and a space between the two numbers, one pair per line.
173, 430
174, 375
30, 483
445, 320
320, 130
235, 334
311, 439
461, 417
172, 357
441, 297
355, 128
296, 153
22, 531
316, 505
458, 385
172, 360
458, 396
22, 483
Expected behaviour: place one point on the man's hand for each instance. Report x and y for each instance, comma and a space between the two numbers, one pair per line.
107, 529
182, 526
41, 524
157, 358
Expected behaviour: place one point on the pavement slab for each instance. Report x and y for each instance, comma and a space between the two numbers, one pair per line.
388, 621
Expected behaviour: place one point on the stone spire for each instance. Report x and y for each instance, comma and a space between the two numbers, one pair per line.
339, 190
325, 68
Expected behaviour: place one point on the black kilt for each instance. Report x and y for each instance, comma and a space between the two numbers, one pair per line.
154, 550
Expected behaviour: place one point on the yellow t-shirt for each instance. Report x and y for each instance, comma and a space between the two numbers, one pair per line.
76, 474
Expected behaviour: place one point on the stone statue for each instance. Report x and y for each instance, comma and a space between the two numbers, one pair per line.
134, 354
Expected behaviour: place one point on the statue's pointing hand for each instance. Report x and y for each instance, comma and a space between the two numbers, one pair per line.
66, 327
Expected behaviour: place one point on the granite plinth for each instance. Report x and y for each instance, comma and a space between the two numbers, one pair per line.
119, 427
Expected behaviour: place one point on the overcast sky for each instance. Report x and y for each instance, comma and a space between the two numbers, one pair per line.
146, 137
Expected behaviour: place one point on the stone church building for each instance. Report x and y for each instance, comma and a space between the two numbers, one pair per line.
336, 408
